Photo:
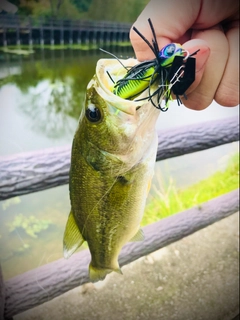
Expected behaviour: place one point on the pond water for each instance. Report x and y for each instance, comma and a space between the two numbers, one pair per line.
40, 102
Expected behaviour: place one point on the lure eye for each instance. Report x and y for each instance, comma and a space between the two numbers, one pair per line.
168, 51
93, 114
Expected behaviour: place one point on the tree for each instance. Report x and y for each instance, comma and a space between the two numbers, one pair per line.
82, 5
55, 6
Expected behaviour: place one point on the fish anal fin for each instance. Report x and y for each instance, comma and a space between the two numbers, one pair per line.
97, 274
139, 236
72, 239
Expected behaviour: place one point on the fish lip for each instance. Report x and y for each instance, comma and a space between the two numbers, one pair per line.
102, 85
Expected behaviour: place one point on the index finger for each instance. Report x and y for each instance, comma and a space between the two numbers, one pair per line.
174, 20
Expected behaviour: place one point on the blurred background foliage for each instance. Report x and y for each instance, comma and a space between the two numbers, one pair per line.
109, 10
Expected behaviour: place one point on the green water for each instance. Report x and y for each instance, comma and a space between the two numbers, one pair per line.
41, 95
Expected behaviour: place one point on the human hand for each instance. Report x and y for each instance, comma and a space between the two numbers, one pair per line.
209, 25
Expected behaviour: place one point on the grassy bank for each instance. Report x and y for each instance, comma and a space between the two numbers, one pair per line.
169, 200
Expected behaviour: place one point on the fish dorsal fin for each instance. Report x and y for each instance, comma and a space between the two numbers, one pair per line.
72, 239
139, 236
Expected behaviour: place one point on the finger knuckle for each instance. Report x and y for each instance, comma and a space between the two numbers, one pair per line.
197, 101
227, 95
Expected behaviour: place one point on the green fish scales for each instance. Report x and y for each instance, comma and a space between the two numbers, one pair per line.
112, 164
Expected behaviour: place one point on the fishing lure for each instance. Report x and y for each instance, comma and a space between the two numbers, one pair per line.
173, 68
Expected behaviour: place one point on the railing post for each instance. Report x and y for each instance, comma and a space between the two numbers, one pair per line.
18, 32
94, 40
101, 37
4, 37
71, 34
52, 33
62, 33
41, 32
79, 41
30, 31
114, 36
87, 37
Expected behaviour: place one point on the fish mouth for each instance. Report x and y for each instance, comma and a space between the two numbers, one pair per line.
104, 84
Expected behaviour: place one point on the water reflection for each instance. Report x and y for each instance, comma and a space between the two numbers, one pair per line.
51, 106
53, 85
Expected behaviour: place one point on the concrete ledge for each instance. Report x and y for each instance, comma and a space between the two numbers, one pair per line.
195, 278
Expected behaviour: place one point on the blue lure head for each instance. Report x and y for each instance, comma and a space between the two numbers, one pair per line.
169, 52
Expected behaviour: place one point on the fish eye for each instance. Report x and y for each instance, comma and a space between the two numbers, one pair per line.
93, 114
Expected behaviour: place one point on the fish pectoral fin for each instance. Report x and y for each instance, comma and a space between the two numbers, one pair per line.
139, 236
72, 239
149, 185
97, 274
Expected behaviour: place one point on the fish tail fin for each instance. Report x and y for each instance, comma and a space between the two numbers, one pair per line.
96, 274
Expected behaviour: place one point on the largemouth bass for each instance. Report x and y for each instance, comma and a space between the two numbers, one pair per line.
112, 164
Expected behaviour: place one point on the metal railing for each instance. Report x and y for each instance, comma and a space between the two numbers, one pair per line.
16, 21
14, 28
